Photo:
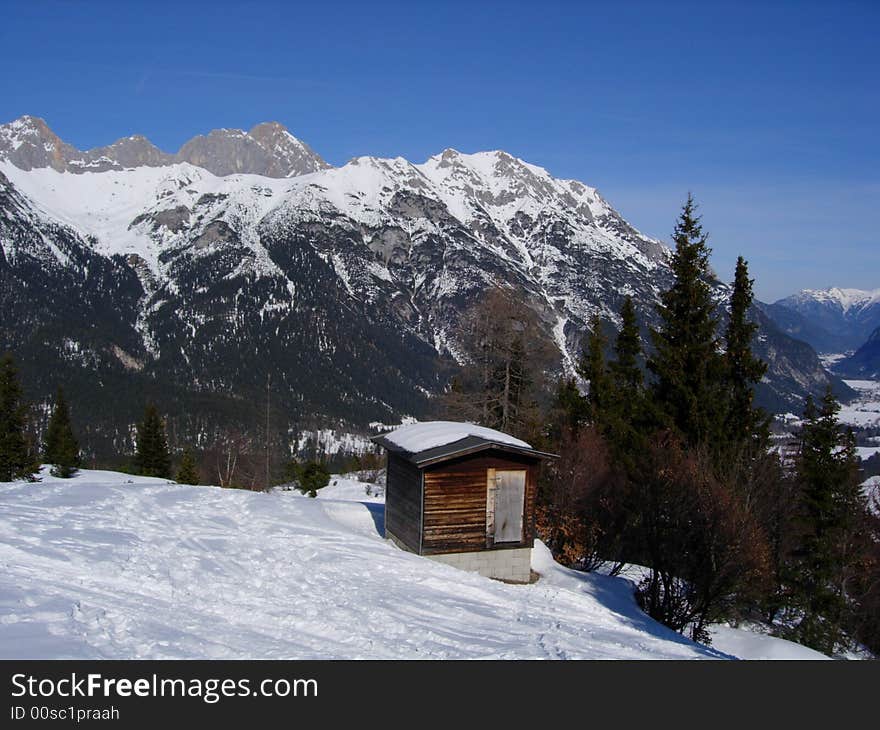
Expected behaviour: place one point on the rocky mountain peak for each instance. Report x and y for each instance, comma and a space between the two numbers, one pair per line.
28, 143
134, 151
290, 155
268, 149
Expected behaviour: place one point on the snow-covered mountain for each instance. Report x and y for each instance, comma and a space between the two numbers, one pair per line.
831, 320
851, 302
346, 285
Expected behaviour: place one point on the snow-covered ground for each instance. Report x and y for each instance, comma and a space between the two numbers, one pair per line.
752, 643
864, 410
866, 452
829, 360
347, 488
111, 566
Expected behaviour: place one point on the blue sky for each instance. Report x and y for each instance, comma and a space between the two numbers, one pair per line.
767, 112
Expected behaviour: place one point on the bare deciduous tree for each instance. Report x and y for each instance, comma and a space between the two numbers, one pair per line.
509, 356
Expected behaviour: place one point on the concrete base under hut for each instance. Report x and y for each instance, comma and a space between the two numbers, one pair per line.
512, 565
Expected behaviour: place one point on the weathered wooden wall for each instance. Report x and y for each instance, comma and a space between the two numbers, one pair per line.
403, 502
455, 503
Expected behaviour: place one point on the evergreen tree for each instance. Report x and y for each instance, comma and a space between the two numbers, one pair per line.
187, 473
152, 457
307, 476
746, 425
627, 417
60, 447
686, 361
571, 409
627, 349
832, 509
592, 368
313, 476
16, 459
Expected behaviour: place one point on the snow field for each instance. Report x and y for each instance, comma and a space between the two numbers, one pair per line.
112, 566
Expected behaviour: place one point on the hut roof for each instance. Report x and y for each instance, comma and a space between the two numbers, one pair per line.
431, 441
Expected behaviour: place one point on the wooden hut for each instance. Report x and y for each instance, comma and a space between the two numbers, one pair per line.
463, 495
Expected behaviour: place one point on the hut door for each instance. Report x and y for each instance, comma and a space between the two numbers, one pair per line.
510, 493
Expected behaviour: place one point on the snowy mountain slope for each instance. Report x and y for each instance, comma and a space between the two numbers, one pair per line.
142, 211
831, 320
346, 285
864, 362
69, 313
112, 566
213, 310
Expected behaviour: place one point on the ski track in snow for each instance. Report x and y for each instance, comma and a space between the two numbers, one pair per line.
111, 566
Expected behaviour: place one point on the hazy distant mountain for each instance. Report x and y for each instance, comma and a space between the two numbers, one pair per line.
268, 149
831, 320
346, 285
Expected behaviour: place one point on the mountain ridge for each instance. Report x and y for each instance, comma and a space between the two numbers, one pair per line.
346, 285
268, 149
833, 320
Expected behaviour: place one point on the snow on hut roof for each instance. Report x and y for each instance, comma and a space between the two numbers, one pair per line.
417, 437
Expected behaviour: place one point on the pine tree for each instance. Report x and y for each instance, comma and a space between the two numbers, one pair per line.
746, 425
686, 361
60, 447
627, 414
152, 457
592, 368
570, 408
187, 473
627, 349
832, 508
16, 459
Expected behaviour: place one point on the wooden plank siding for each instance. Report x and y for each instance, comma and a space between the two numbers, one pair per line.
455, 503
403, 502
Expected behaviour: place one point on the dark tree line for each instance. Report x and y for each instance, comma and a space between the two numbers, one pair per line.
19, 455
18, 458
234, 460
